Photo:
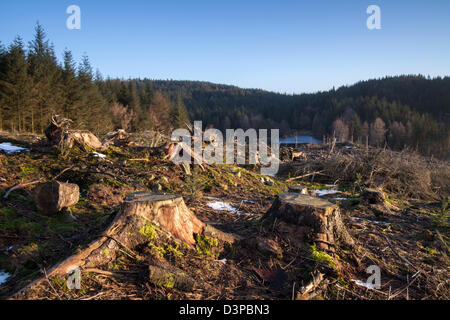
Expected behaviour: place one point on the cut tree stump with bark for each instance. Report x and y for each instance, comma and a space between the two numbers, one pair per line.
52, 197
318, 217
133, 225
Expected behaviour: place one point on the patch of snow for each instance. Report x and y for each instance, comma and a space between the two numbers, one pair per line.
364, 284
3, 277
248, 201
224, 261
99, 155
337, 199
324, 192
9, 148
222, 206
372, 221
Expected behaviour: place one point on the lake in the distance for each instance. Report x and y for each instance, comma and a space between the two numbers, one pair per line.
300, 139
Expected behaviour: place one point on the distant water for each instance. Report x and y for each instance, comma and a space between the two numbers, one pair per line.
300, 139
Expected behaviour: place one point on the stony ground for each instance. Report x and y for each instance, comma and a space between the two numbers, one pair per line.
409, 242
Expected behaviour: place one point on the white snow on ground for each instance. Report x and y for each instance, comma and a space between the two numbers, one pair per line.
324, 192
99, 155
372, 221
9, 148
224, 261
339, 199
219, 205
364, 284
3, 277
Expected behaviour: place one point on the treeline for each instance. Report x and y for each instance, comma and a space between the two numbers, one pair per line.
34, 85
397, 112
359, 113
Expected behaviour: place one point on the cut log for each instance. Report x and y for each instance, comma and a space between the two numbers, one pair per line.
319, 217
298, 189
52, 197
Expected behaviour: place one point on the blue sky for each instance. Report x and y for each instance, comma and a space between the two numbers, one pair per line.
284, 46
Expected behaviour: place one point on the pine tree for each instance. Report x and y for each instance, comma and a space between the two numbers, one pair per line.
178, 116
71, 88
46, 75
15, 86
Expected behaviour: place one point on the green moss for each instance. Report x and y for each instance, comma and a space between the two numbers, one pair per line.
206, 245
321, 256
173, 251
27, 171
168, 281
431, 251
156, 250
148, 230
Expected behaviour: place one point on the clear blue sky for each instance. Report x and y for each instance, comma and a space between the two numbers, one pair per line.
285, 46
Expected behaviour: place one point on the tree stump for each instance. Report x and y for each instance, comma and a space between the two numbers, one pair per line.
52, 197
373, 196
167, 211
318, 217
133, 225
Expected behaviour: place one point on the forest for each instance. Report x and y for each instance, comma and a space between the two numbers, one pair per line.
410, 111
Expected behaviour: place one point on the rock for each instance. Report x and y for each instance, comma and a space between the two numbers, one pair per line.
322, 218
52, 197
298, 189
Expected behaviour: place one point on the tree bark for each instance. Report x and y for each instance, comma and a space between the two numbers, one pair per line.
52, 197
318, 217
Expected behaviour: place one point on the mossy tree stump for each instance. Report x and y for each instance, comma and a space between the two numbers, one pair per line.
320, 218
135, 224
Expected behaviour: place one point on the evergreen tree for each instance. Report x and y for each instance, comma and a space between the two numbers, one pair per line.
179, 116
15, 87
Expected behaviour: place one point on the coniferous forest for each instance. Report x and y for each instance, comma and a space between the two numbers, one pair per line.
410, 111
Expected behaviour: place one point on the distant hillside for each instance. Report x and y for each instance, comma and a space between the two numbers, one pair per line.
405, 111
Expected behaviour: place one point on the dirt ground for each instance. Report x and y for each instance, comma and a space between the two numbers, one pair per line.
408, 242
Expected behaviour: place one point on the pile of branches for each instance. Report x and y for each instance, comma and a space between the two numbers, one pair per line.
402, 173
